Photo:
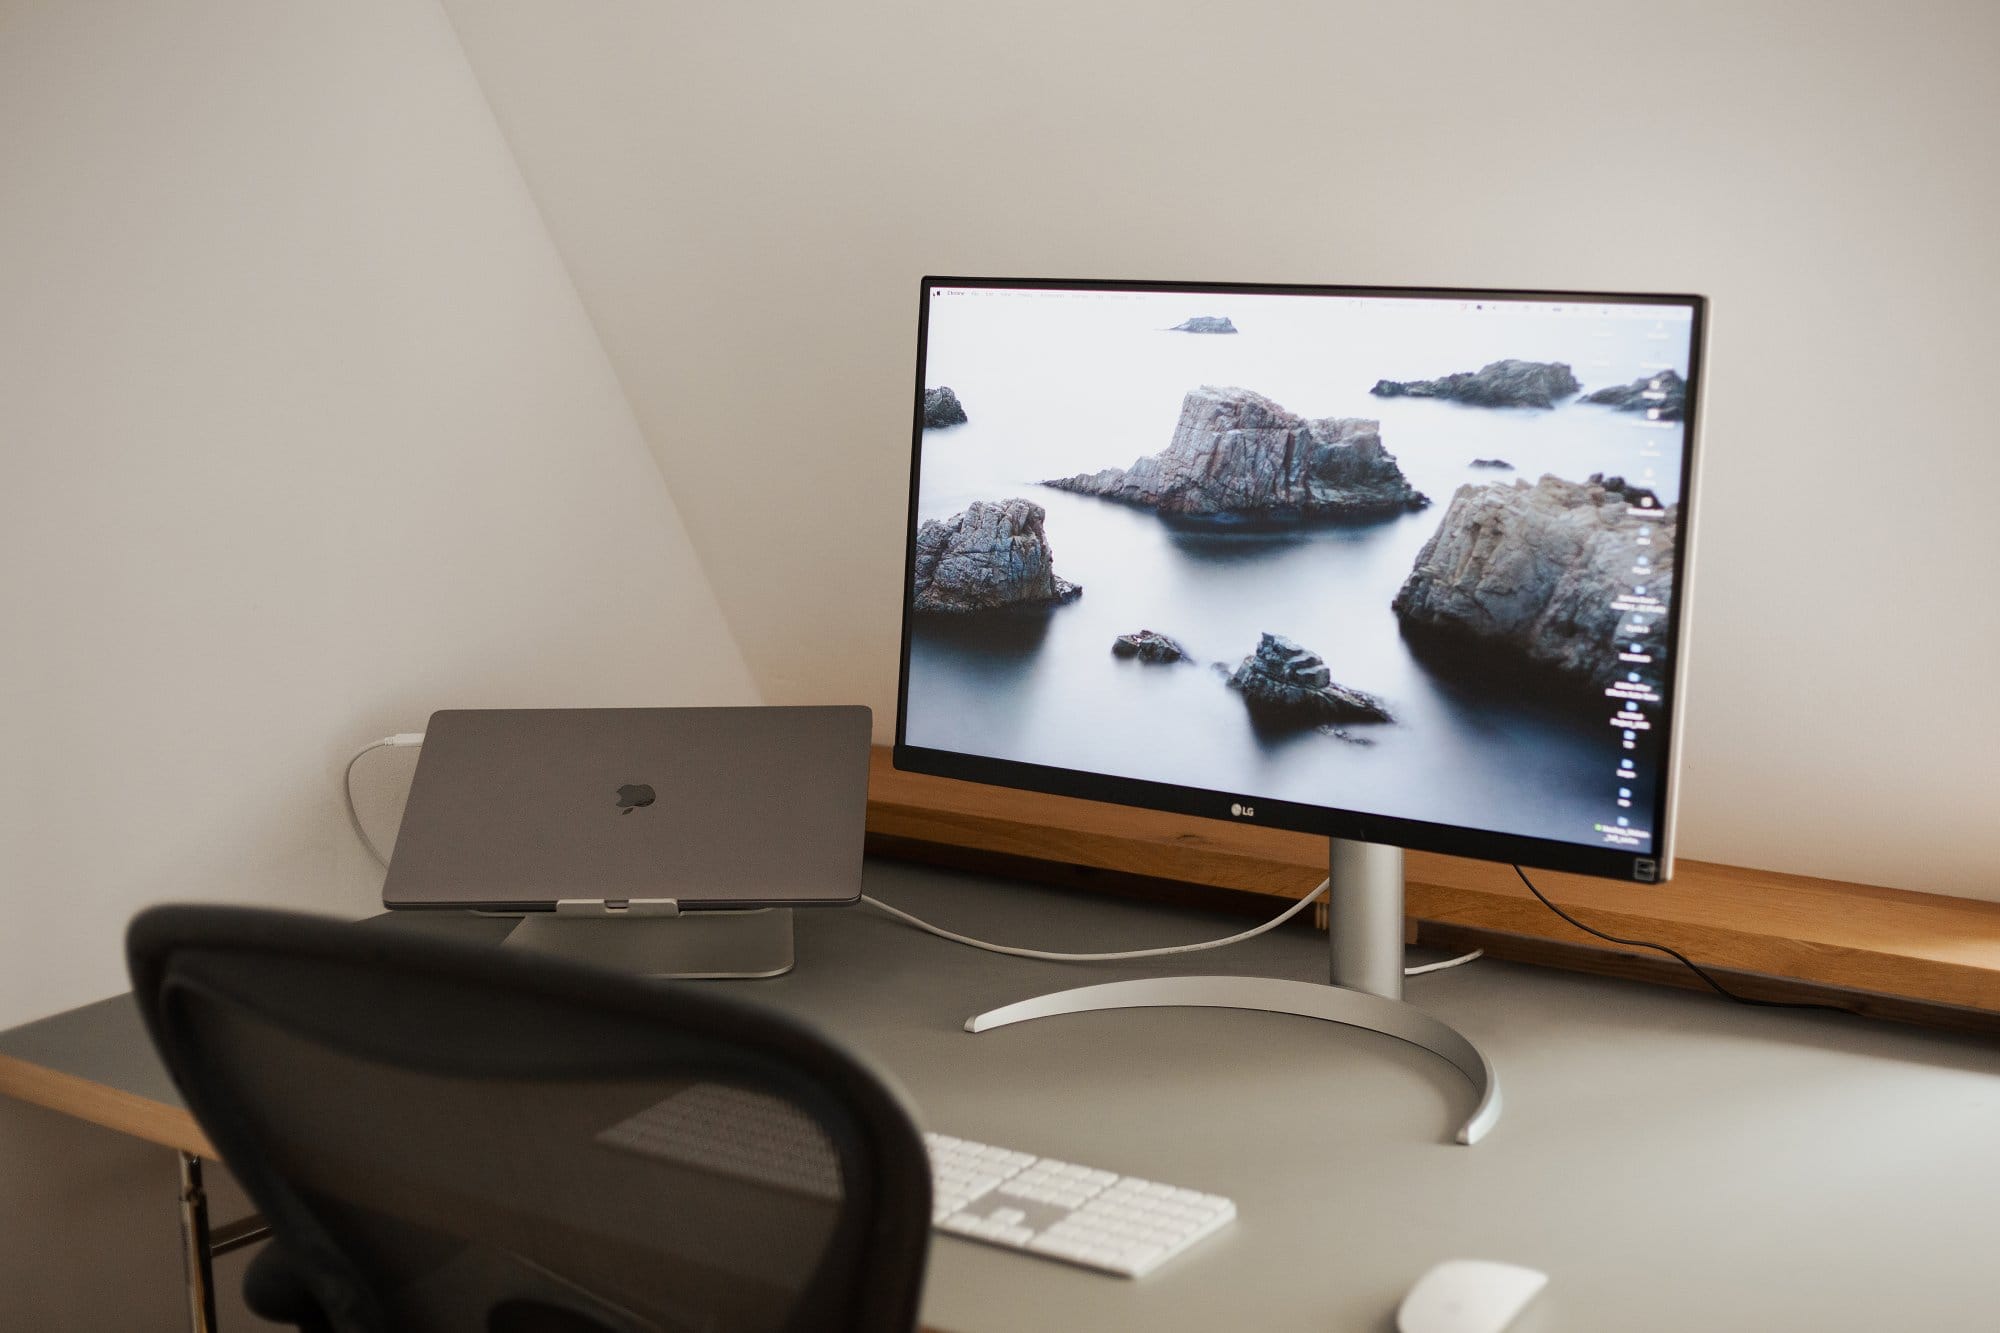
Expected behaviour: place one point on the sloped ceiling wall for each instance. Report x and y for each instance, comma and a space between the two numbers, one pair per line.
306, 434
746, 196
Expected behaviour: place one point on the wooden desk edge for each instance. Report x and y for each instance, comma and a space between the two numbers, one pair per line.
113, 1108
1821, 935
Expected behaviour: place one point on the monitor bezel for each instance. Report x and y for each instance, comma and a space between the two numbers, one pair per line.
1257, 809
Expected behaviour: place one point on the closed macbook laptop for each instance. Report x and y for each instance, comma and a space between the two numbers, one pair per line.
515, 809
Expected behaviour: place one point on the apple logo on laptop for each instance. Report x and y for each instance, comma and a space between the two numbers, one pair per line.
633, 795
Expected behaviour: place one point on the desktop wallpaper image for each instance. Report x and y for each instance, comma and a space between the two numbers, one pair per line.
1410, 558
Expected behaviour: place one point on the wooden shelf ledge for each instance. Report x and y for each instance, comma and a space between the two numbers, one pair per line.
1811, 935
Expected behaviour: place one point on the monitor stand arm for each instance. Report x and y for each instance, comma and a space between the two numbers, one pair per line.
1365, 925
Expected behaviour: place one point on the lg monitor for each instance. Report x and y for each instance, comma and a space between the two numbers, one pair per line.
1404, 567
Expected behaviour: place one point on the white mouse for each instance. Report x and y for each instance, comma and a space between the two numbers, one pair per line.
1468, 1296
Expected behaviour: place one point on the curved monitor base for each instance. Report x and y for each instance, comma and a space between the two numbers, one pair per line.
1365, 930
1276, 995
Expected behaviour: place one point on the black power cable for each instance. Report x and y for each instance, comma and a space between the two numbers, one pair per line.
1689, 963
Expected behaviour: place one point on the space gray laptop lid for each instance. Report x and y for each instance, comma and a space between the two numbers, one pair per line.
712, 807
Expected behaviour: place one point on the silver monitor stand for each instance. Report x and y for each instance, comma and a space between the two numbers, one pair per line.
1365, 925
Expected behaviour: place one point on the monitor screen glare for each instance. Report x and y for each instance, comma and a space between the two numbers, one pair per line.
1398, 565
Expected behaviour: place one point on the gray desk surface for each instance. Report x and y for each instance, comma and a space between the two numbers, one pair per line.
1674, 1162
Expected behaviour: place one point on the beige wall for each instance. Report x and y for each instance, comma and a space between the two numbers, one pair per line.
746, 196
306, 434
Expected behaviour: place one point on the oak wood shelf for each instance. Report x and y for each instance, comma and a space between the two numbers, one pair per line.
1886, 952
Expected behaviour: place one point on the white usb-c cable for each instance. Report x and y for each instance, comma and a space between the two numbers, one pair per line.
401, 740
1162, 952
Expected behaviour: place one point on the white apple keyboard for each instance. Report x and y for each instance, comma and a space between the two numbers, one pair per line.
1097, 1219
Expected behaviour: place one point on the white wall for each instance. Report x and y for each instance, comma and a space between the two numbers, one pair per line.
306, 434
746, 196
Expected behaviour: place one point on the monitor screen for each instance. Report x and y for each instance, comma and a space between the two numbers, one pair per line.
1396, 565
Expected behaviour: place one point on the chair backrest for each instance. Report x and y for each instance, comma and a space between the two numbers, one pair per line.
445, 1136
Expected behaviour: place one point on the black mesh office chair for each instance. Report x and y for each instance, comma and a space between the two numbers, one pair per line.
447, 1137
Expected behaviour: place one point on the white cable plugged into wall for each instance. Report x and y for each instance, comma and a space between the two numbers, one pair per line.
401, 740
1162, 952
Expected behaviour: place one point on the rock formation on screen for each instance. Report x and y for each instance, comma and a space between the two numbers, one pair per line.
1543, 577
942, 408
1238, 456
1205, 324
1667, 391
1148, 646
1507, 383
992, 557
1626, 491
1283, 682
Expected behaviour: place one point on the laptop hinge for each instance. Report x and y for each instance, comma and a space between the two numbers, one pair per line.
617, 907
